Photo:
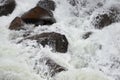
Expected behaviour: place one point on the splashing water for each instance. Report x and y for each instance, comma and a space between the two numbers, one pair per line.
96, 58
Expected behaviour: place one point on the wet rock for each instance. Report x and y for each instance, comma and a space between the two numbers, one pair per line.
102, 21
73, 2
54, 68
47, 4
7, 7
38, 16
57, 41
87, 35
105, 18
16, 24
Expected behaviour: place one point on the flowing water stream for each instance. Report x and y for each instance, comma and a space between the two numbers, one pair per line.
96, 58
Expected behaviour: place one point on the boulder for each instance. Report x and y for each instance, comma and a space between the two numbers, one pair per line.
105, 18
16, 24
38, 16
7, 7
47, 4
57, 41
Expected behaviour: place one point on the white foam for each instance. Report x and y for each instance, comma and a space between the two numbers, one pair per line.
89, 59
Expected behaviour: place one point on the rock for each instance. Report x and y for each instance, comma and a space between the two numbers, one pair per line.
57, 41
105, 18
7, 7
38, 16
73, 2
16, 24
102, 21
47, 4
87, 35
54, 68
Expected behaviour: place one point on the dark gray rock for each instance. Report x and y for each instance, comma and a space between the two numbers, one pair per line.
7, 7
73, 2
54, 68
47, 4
106, 18
86, 35
102, 21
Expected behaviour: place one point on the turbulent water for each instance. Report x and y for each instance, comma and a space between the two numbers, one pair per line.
96, 58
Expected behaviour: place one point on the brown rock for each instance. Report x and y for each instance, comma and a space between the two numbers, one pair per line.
47, 4
7, 7
16, 24
38, 16
57, 41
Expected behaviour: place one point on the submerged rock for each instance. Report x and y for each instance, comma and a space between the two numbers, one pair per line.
73, 2
7, 7
47, 4
86, 35
102, 20
54, 68
105, 18
38, 16
16, 24
57, 41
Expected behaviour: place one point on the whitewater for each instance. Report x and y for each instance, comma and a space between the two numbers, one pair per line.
95, 58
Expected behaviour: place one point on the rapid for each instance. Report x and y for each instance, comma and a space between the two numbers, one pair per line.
95, 58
